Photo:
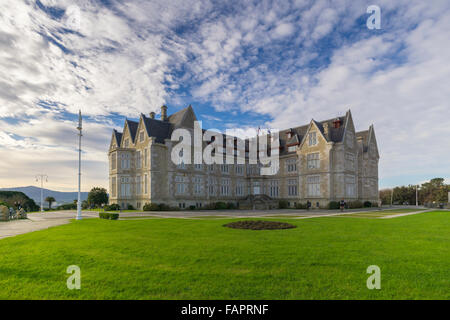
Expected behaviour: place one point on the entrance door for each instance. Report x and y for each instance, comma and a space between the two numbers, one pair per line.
256, 188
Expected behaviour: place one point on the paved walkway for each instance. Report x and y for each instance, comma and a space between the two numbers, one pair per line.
40, 221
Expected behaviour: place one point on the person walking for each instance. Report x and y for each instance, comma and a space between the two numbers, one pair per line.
308, 205
342, 205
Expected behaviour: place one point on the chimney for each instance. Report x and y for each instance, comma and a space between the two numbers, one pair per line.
152, 115
326, 129
163, 113
337, 123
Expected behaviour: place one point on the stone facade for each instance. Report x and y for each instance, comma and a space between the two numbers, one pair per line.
322, 161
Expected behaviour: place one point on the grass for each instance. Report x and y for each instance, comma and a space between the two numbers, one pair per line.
323, 258
378, 214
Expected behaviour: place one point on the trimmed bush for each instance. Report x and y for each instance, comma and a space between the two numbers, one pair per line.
332, 205
355, 204
367, 204
300, 206
220, 206
191, 207
231, 205
130, 207
108, 215
151, 207
112, 207
282, 204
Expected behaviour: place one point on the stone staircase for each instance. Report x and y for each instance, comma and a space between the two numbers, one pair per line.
258, 202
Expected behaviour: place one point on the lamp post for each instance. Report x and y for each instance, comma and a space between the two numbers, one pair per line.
42, 177
417, 197
79, 128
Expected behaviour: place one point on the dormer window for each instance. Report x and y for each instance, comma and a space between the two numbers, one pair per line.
141, 136
312, 138
292, 148
125, 143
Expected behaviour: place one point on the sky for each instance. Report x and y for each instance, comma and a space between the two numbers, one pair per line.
240, 64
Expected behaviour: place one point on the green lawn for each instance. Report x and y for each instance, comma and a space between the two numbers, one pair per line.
323, 258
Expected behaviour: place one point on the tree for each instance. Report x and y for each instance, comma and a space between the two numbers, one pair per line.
97, 196
50, 200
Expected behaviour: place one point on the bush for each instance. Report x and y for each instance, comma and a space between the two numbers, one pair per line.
332, 205
67, 206
112, 207
231, 205
151, 207
301, 206
191, 207
355, 204
108, 215
130, 207
220, 206
282, 204
367, 204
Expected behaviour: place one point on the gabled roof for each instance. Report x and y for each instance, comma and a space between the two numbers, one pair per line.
132, 127
118, 136
156, 128
183, 118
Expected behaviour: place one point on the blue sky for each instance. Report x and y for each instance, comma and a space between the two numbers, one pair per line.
240, 64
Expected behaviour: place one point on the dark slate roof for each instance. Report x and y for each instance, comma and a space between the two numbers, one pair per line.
118, 136
132, 126
157, 128
293, 140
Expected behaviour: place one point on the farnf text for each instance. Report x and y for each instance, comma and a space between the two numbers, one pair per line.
230, 309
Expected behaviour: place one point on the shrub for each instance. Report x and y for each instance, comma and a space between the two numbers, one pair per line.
130, 207
108, 215
333, 205
282, 204
151, 207
112, 207
220, 206
191, 207
355, 204
231, 205
300, 206
367, 204
67, 206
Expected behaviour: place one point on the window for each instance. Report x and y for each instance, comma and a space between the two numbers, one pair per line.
197, 185
224, 168
141, 136
313, 186
145, 184
312, 160
292, 187
225, 187
126, 142
350, 161
240, 169
181, 184
350, 137
138, 159
211, 183
125, 161
291, 165
350, 186
113, 187
292, 148
312, 138
210, 167
145, 157
113, 161
138, 185
125, 187
273, 188
198, 166
240, 188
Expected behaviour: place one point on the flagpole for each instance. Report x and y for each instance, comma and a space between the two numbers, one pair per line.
79, 128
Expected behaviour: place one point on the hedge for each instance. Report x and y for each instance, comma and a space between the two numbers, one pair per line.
108, 215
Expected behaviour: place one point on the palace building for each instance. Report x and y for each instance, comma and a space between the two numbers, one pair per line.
321, 161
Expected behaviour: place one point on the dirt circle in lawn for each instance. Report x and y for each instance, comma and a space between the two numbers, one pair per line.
259, 225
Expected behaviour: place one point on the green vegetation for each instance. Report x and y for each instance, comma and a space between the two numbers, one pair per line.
322, 258
50, 200
14, 198
433, 191
108, 215
97, 197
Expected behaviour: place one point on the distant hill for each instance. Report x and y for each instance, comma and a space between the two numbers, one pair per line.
60, 197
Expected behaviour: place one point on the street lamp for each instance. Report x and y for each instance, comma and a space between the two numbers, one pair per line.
79, 128
42, 177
